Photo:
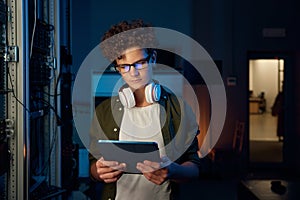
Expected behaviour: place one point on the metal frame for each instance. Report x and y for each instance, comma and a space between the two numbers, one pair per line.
55, 166
18, 101
16, 35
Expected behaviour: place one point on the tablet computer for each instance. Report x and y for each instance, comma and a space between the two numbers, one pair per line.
129, 152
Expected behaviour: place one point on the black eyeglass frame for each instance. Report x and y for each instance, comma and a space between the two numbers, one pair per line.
146, 60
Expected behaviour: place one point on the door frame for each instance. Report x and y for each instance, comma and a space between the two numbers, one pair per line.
286, 56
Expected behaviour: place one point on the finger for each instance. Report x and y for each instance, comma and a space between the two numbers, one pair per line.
111, 176
158, 177
106, 169
99, 162
144, 168
110, 163
120, 167
156, 180
102, 163
105, 163
154, 165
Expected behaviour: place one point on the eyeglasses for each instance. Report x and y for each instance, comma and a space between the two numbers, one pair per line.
140, 64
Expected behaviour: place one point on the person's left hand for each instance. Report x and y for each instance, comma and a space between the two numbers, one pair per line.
153, 171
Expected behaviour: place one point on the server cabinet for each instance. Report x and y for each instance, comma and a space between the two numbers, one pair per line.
30, 70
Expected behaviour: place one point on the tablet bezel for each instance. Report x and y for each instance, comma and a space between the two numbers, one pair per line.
129, 152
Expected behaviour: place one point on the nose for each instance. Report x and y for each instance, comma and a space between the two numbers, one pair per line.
133, 71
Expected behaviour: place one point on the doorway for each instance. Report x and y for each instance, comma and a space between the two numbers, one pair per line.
266, 78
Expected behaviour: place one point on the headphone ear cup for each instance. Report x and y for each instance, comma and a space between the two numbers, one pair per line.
156, 92
148, 93
127, 98
152, 92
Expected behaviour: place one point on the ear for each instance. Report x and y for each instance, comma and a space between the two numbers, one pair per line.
153, 57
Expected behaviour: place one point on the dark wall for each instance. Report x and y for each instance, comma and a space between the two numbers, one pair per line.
91, 18
231, 30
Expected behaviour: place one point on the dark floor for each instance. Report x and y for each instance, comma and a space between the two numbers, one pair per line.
264, 189
210, 190
260, 183
275, 189
263, 180
265, 183
266, 151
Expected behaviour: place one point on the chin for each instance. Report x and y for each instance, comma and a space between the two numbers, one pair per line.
137, 86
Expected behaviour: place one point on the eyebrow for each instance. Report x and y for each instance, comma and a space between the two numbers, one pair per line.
135, 61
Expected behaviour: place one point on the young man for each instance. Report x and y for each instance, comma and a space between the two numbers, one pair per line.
140, 106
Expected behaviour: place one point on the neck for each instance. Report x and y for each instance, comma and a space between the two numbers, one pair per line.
140, 99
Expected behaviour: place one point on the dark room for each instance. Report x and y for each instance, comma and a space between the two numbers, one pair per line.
211, 87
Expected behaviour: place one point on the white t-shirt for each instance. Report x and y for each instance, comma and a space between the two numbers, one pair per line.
142, 124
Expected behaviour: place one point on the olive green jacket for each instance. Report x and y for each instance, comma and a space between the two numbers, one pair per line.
178, 131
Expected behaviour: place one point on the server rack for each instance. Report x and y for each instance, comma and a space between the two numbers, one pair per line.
30, 71
15, 111
4, 154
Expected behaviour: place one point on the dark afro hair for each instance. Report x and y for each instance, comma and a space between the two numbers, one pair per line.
140, 34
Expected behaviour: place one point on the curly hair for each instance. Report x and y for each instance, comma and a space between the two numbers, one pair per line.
136, 33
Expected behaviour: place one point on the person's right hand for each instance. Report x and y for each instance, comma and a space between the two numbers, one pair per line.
109, 171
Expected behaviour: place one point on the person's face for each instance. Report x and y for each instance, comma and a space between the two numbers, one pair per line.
136, 78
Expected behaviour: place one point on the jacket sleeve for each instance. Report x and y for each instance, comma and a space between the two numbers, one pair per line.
95, 131
104, 125
184, 124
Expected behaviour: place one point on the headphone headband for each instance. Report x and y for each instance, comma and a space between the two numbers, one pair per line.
152, 94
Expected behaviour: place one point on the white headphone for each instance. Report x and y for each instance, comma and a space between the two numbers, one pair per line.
152, 94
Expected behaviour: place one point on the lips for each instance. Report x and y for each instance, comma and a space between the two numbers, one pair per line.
135, 81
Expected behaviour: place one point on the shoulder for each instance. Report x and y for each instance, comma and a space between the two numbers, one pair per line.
172, 100
108, 106
169, 97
